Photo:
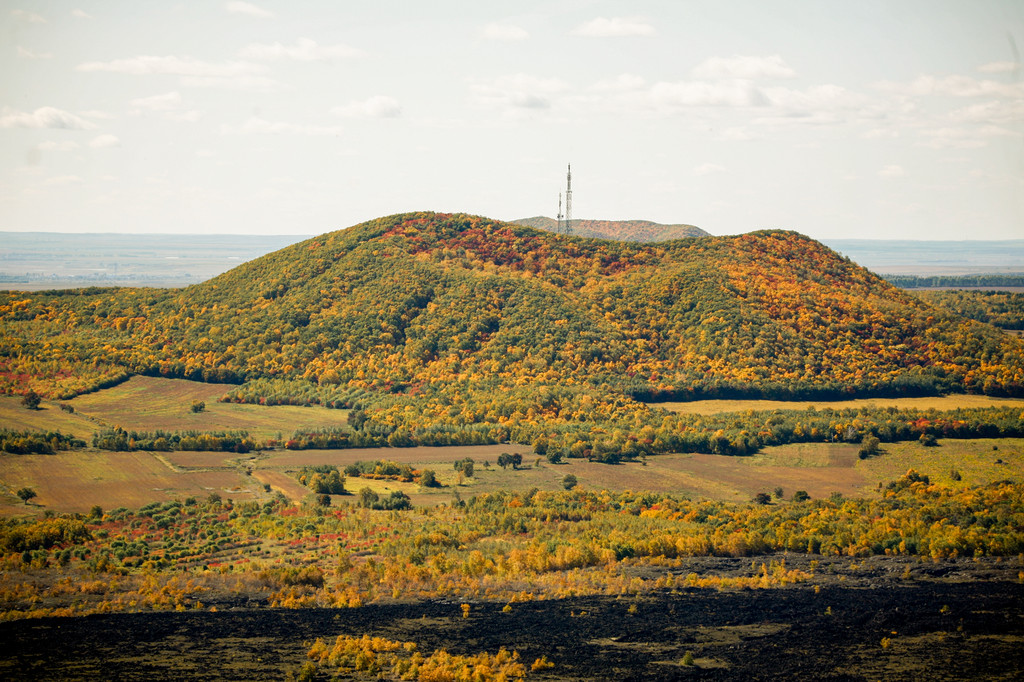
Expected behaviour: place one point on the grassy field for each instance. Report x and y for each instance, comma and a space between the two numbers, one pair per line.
947, 402
75, 481
149, 404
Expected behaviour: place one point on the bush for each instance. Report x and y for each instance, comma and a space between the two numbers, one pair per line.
569, 481
31, 400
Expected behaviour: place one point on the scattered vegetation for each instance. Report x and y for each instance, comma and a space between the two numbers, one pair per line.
503, 547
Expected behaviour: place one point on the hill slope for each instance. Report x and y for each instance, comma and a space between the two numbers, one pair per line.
622, 230
424, 302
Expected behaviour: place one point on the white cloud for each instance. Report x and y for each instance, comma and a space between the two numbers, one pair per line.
504, 32
708, 169
103, 141
820, 104
259, 126
519, 91
59, 180
736, 134
990, 112
999, 67
54, 146
304, 50
248, 9
164, 102
623, 83
100, 115
168, 105
190, 116
24, 53
686, 94
379, 106
81, 14
964, 138
236, 75
744, 68
880, 134
173, 66
892, 171
614, 28
954, 86
27, 17
43, 117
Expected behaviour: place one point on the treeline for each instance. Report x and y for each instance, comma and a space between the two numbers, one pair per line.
37, 442
120, 440
990, 280
381, 469
999, 308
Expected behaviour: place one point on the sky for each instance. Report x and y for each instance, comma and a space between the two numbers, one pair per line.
894, 119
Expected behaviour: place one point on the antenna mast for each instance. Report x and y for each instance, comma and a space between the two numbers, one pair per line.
568, 201
558, 229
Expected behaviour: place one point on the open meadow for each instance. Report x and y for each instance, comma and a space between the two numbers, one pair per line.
74, 481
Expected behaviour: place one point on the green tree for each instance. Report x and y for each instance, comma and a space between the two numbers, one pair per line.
869, 448
569, 481
198, 406
368, 498
762, 498
31, 400
801, 496
26, 494
428, 479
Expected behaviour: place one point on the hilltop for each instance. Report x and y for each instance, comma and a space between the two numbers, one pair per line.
623, 230
416, 299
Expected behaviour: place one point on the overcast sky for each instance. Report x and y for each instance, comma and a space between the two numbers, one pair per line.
860, 118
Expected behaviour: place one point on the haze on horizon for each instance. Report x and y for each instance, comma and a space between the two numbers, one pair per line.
875, 120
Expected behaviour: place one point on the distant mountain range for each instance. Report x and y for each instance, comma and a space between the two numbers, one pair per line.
623, 230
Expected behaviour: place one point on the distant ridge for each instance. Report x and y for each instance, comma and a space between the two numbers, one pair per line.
622, 230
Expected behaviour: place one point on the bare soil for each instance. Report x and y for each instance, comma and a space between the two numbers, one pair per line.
880, 618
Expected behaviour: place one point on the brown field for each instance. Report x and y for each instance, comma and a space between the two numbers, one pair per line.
77, 481
74, 482
947, 402
49, 417
152, 403
283, 483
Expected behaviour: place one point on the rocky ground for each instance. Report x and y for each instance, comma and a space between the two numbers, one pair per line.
879, 618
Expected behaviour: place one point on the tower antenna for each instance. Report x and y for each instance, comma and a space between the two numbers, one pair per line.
568, 201
558, 229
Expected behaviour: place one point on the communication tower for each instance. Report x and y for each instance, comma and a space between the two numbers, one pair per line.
568, 201
558, 228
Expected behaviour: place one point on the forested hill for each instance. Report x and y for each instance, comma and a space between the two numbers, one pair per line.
623, 230
436, 307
